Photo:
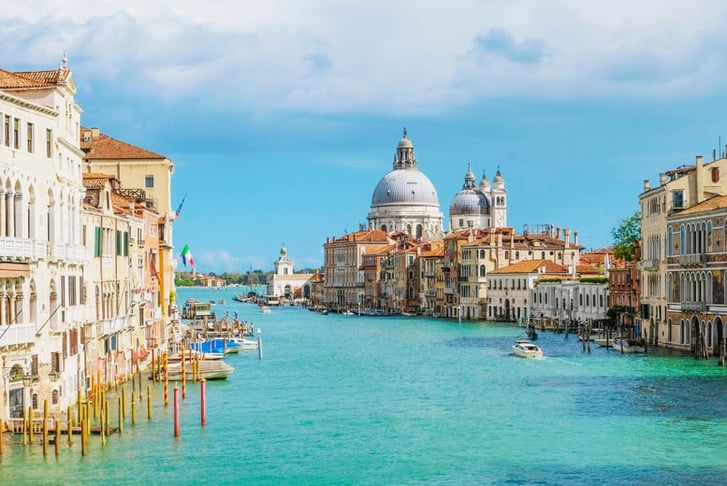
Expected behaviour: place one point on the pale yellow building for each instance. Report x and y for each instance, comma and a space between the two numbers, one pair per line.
141, 171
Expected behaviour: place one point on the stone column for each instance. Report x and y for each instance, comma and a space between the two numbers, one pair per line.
3, 308
3, 216
10, 201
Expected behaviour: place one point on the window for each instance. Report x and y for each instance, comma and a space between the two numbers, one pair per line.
677, 199
16, 133
149, 181
49, 143
29, 135
7, 130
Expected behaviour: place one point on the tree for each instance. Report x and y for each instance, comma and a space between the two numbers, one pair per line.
625, 234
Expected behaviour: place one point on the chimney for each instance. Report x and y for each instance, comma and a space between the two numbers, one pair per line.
94, 132
575, 238
700, 178
662, 178
566, 237
647, 185
557, 233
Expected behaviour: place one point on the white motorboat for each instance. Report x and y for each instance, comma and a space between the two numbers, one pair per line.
525, 349
605, 341
265, 309
209, 370
244, 343
629, 345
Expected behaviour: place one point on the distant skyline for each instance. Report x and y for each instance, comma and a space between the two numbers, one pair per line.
281, 117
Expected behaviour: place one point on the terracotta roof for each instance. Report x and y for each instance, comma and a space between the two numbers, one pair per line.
101, 146
716, 202
532, 266
32, 79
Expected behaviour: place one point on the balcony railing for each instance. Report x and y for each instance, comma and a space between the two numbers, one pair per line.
22, 249
17, 334
695, 259
694, 306
652, 264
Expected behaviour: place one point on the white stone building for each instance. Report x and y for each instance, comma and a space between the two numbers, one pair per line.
285, 283
43, 289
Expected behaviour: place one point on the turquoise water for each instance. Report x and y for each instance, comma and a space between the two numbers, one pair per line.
354, 400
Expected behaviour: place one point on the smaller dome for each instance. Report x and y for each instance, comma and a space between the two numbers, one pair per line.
469, 200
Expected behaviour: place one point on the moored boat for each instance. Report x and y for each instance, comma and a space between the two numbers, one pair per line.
629, 345
209, 370
525, 349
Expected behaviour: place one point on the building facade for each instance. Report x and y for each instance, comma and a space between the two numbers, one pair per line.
678, 189
43, 285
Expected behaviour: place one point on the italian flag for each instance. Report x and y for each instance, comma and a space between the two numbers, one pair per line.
187, 256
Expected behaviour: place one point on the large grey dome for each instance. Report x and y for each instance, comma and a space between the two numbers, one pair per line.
405, 186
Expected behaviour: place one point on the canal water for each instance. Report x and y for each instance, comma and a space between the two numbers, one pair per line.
399, 400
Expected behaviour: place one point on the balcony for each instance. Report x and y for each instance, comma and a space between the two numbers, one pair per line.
22, 249
652, 264
693, 260
17, 334
694, 306
113, 326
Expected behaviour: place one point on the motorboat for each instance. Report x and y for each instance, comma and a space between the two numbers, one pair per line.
629, 345
347, 313
243, 343
526, 349
604, 341
209, 370
264, 309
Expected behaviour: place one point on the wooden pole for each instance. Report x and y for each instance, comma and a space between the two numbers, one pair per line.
121, 418
25, 427
57, 442
45, 427
30, 424
184, 377
83, 437
122, 402
70, 427
2, 431
166, 380
133, 408
148, 402
107, 416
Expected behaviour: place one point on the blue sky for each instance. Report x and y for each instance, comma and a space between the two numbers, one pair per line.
281, 117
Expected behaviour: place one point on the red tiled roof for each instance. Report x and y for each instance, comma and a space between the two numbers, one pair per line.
532, 266
102, 146
716, 202
32, 79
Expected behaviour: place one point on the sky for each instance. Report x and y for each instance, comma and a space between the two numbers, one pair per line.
282, 116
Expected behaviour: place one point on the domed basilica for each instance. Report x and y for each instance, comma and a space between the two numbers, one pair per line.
405, 200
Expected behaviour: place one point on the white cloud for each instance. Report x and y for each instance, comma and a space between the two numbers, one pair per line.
326, 55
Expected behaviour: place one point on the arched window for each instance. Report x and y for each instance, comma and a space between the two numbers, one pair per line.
483, 271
